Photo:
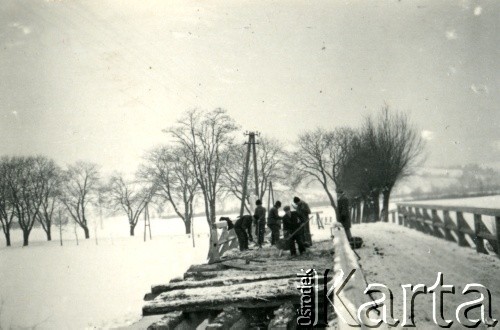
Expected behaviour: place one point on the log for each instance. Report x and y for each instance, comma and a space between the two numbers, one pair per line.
228, 273
250, 295
252, 277
205, 268
169, 321
242, 266
226, 319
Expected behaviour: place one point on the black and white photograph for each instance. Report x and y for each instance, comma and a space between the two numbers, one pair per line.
237, 164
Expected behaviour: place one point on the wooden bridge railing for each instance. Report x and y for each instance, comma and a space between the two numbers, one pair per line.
449, 222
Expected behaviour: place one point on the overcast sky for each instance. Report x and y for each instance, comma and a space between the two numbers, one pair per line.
98, 80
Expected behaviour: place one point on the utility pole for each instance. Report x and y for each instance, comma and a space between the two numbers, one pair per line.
270, 197
147, 222
250, 150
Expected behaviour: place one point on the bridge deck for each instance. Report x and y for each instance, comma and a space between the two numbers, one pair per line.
395, 255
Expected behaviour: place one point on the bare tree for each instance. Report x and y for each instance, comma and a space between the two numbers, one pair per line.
232, 177
397, 145
50, 177
7, 214
81, 182
206, 136
270, 167
171, 169
319, 157
131, 197
26, 186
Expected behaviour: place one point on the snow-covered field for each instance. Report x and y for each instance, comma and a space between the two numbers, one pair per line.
95, 285
91, 285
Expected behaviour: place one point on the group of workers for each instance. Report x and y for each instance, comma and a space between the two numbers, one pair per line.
295, 224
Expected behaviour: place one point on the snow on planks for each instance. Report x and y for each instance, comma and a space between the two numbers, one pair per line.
233, 291
262, 293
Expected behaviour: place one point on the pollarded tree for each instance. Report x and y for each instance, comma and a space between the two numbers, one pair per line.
171, 169
358, 176
79, 189
207, 137
131, 197
319, 157
398, 147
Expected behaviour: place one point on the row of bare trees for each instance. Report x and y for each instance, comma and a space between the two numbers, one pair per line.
34, 189
202, 163
365, 162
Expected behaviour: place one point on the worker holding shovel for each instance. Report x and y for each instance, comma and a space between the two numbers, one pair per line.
292, 227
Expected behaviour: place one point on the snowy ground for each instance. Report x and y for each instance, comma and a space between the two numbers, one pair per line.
95, 284
102, 285
395, 255
91, 285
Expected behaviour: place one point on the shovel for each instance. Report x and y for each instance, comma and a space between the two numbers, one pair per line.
284, 243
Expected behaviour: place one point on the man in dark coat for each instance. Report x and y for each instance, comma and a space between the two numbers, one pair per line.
274, 222
304, 211
260, 222
240, 228
344, 216
291, 224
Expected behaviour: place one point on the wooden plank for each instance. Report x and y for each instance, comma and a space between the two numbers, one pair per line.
468, 231
411, 219
461, 227
497, 230
226, 273
449, 225
352, 295
401, 215
242, 266
262, 293
428, 227
464, 209
205, 268
437, 224
252, 277
421, 221
478, 240
217, 305
488, 236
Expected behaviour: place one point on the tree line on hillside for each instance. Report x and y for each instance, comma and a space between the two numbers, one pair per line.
467, 181
202, 164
